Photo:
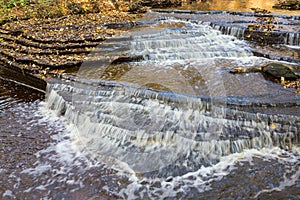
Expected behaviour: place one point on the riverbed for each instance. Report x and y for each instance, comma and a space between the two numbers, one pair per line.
38, 160
153, 113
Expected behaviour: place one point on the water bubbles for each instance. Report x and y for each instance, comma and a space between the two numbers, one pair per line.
163, 121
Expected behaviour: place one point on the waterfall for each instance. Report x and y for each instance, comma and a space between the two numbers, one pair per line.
277, 37
194, 41
236, 31
166, 114
151, 131
293, 39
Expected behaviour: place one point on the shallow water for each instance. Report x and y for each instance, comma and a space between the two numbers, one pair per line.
39, 160
168, 129
36, 162
118, 132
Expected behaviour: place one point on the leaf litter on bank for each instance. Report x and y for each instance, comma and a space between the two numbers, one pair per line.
48, 45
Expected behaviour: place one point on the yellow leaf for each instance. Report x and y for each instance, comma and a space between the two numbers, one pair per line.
272, 126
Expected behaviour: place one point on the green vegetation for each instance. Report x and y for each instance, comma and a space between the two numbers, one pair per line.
25, 9
6, 4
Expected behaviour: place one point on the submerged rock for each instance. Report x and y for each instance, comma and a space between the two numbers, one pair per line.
279, 70
273, 70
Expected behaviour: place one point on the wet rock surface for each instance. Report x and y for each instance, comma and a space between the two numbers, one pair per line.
31, 165
254, 178
22, 145
278, 71
49, 47
53, 47
273, 71
236, 24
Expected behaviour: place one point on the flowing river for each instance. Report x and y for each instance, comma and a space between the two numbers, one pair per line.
155, 114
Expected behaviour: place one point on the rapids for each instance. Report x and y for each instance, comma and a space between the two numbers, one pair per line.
155, 114
160, 100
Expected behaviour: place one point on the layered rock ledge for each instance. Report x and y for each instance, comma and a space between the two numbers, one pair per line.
46, 48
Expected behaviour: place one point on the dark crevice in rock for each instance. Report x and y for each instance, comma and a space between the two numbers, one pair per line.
9, 59
50, 43
24, 76
125, 59
25, 50
29, 43
274, 57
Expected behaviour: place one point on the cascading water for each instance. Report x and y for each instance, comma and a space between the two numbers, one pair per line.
166, 113
155, 114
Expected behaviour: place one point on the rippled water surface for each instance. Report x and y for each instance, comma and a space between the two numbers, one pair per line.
154, 114
38, 160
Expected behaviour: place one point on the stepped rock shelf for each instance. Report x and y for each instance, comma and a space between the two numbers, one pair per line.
164, 85
34, 46
56, 46
125, 124
45, 48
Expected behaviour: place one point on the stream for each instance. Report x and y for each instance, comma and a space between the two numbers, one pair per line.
155, 114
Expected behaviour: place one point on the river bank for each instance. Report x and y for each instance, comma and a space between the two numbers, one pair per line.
43, 48
44, 39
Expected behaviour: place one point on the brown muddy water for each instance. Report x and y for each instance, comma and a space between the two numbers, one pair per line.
156, 128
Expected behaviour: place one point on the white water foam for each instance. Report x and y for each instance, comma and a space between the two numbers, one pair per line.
202, 179
193, 41
73, 147
55, 164
67, 152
